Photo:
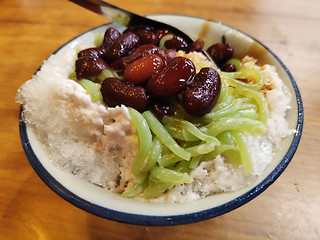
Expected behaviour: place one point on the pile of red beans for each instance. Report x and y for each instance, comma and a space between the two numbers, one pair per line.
151, 76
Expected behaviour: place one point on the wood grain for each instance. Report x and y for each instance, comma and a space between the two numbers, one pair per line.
31, 30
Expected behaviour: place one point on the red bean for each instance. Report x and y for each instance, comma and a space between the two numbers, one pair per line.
171, 54
147, 37
161, 107
228, 68
141, 70
195, 46
121, 46
200, 99
176, 42
122, 63
110, 36
90, 52
220, 53
173, 78
116, 92
89, 66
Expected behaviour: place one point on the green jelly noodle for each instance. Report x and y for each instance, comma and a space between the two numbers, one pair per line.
92, 89
171, 148
145, 141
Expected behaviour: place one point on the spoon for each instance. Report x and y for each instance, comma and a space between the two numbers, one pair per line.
127, 18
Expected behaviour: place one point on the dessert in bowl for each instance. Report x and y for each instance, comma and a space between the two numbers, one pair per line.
86, 152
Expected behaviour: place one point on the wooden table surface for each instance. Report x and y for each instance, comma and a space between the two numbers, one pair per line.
30, 30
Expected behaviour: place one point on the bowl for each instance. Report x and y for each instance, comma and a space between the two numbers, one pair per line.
114, 207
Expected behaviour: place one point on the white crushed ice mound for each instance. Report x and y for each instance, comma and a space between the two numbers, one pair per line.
82, 137
210, 177
99, 144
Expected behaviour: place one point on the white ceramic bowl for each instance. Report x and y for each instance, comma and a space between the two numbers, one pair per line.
112, 206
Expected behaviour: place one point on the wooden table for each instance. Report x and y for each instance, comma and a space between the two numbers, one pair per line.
290, 209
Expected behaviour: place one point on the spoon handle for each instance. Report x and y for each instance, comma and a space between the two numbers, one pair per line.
107, 10
125, 17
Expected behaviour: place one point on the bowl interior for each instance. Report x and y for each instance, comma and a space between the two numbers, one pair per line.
110, 205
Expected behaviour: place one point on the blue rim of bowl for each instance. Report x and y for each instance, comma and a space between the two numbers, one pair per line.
149, 220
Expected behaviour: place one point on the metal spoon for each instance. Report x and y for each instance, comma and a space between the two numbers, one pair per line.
127, 18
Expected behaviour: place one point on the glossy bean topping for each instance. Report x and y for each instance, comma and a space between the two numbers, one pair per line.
91, 52
200, 98
220, 53
89, 66
173, 78
170, 54
195, 46
122, 63
116, 92
177, 43
141, 70
145, 33
147, 69
110, 36
147, 37
161, 107
121, 46
228, 68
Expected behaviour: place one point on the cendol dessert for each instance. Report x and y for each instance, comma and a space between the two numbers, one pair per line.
145, 114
